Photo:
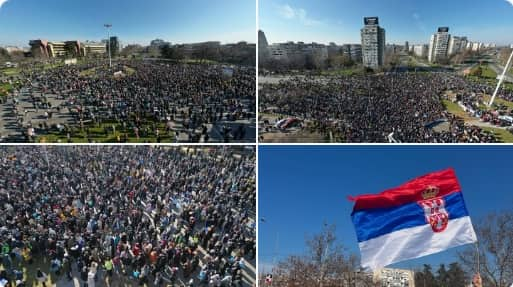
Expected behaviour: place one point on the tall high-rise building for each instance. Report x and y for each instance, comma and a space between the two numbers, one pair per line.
373, 43
263, 47
420, 50
157, 43
114, 45
439, 45
456, 44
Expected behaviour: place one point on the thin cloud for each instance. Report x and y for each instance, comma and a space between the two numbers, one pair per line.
287, 12
420, 23
290, 13
510, 1
2, 2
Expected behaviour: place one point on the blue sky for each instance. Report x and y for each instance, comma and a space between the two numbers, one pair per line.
340, 21
300, 188
134, 21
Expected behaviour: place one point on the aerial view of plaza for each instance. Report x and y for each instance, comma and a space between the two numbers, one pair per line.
401, 72
127, 72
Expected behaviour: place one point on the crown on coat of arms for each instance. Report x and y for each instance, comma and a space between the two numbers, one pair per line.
430, 192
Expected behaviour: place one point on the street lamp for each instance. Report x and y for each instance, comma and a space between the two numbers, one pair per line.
108, 26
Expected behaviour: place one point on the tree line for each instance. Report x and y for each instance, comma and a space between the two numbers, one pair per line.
326, 263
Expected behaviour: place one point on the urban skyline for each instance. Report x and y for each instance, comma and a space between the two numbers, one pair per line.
229, 21
358, 41
340, 21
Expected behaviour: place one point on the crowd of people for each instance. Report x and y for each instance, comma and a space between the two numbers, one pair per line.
140, 215
400, 107
140, 94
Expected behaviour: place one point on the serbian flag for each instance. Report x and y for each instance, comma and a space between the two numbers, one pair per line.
421, 217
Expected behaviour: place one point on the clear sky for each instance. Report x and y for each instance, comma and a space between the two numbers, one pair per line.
134, 21
340, 21
300, 188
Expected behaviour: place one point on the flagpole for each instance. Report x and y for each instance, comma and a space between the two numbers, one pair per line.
501, 79
478, 264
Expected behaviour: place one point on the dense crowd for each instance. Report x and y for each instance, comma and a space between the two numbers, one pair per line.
376, 108
147, 92
140, 215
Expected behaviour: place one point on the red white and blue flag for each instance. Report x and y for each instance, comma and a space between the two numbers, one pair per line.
423, 216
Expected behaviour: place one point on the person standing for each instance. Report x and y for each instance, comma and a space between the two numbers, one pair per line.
109, 266
41, 277
90, 278
83, 276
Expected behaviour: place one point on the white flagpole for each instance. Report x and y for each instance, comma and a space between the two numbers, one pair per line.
478, 263
501, 79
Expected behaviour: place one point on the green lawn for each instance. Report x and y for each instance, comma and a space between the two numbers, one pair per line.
49, 66
454, 109
198, 61
5, 88
129, 71
499, 101
88, 72
504, 135
10, 71
489, 73
98, 135
486, 72
343, 72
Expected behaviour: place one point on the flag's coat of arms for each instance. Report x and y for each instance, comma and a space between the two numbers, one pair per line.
423, 216
434, 209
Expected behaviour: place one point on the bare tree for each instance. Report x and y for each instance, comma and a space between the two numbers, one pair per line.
325, 264
504, 55
495, 235
4, 55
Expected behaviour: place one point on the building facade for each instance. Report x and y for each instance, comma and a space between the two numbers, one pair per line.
114, 45
39, 48
373, 43
388, 277
46, 49
420, 51
263, 47
300, 54
439, 45
456, 44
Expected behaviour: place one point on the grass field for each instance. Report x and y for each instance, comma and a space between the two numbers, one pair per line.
49, 66
504, 135
10, 71
5, 89
454, 109
88, 72
499, 101
129, 71
98, 135
343, 72
486, 72
198, 61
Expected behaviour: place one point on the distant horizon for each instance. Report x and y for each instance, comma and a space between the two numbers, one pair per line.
121, 41
387, 43
413, 21
133, 21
